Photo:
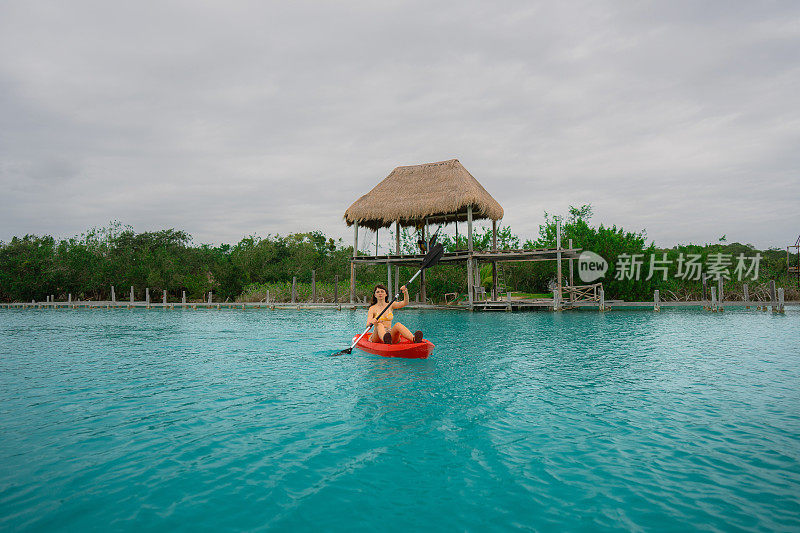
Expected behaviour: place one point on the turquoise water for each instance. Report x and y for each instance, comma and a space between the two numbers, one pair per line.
209, 420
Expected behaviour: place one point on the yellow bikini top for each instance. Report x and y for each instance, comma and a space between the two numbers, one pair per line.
387, 316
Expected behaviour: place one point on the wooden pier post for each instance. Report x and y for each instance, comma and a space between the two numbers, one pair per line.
571, 277
336, 289
69, 298
557, 301
183, 297
397, 251
494, 263
423, 278
470, 292
131, 293
294, 289
602, 299
720, 294
267, 298
705, 292
773, 295
780, 300
313, 285
147, 297
746, 295
210, 296
353, 264
714, 299
164, 297
113, 295
656, 301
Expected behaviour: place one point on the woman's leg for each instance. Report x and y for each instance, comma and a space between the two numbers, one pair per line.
399, 330
377, 333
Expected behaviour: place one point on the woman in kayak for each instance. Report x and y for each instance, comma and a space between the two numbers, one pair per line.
384, 330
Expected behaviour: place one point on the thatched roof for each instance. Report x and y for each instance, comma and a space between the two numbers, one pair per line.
439, 191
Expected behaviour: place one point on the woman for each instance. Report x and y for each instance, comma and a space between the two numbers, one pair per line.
384, 330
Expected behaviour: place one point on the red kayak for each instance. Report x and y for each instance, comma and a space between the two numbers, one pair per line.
403, 348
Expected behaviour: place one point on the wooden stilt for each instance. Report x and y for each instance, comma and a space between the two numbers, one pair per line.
557, 300
773, 295
397, 251
470, 291
571, 277
423, 277
494, 263
353, 265
336, 288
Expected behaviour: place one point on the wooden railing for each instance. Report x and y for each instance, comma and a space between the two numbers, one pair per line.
581, 293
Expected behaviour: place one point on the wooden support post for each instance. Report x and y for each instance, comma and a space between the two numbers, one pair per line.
397, 251
389, 278
376, 242
571, 277
557, 300
336, 289
602, 299
720, 294
267, 298
780, 300
210, 296
131, 293
746, 295
353, 264
113, 295
423, 278
147, 296
164, 297
313, 286
773, 298
705, 291
656, 301
183, 297
294, 289
470, 291
69, 298
714, 299
494, 263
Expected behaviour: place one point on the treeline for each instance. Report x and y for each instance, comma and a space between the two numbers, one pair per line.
33, 267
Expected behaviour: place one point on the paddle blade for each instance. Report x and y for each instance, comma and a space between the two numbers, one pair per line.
433, 256
345, 351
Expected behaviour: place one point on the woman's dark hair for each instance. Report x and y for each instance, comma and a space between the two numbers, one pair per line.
379, 286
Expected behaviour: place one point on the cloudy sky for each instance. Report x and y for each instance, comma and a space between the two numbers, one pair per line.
232, 118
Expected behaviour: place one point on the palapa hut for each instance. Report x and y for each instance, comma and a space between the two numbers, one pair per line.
418, 195
439, 192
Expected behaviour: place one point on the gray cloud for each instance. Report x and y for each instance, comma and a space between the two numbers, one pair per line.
236, 118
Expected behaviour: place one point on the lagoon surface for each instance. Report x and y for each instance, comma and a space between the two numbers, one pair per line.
206, 420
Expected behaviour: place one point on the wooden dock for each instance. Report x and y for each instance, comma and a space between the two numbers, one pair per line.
488, 305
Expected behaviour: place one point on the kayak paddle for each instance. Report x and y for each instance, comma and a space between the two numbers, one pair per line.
431, 258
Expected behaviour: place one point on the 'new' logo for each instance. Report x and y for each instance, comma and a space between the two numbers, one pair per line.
591, 266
